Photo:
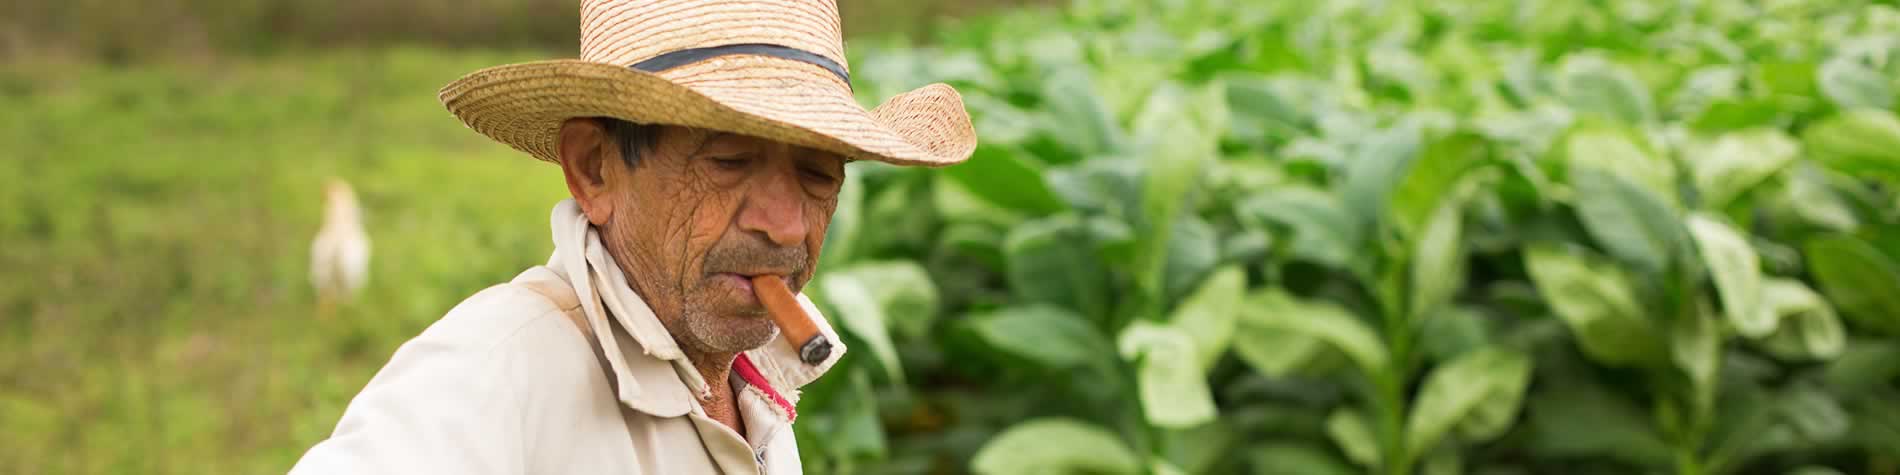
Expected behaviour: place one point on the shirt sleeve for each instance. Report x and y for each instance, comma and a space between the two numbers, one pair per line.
447, 402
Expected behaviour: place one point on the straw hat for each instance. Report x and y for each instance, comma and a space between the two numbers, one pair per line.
773, 69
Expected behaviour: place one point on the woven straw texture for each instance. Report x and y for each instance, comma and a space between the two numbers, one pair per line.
523, 105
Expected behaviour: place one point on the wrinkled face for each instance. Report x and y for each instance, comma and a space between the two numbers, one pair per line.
702, 212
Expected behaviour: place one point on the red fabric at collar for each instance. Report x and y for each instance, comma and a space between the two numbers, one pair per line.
750, 373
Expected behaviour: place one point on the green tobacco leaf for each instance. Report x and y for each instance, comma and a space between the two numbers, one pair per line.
1852, 85
1631, 222
1275, 352
1741, 113
1809, 328
1438, 260
1597, 302
1858, 279
1323, 230
1695, 345
1861, 143
1080, 120
1594, 85
1738, 161
1174, 167
1051, 262
1865, 366
1619, 152
1350, 431
1051, 336
1006, 177
1273, 309
1452, 332
957, 204
861, 433
854, 302
1210, 313
1443, 462
1439, 169
1737, 274
1375, 169
905, 292
1055, 445
1479, 392
1295, 458
1172, 384
1584, 422
1193, 250
841, 237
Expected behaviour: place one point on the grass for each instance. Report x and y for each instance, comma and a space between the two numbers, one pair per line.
154, 304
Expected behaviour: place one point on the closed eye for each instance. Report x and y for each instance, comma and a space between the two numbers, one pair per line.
731, 162
818, 177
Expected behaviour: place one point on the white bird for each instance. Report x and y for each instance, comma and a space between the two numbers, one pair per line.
339, 257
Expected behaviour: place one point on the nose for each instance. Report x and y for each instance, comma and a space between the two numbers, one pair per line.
775, 207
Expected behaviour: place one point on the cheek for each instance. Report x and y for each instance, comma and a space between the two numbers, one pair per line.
818, 221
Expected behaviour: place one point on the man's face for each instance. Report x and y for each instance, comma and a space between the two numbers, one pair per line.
701, 213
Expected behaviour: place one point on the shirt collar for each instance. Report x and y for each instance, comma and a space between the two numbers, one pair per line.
653, 375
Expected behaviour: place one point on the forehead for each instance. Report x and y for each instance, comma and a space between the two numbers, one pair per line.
729, 142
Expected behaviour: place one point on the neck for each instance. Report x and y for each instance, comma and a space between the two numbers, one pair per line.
715, 368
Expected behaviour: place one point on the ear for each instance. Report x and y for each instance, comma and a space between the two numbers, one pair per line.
585, 152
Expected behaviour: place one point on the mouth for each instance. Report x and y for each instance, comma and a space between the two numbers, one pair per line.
741, 284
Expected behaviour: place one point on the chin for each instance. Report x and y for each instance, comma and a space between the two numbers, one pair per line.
727, 332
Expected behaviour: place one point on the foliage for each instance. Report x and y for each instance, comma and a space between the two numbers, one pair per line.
1440, 237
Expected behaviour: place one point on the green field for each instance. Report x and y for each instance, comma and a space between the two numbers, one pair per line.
1200, 236
159, 315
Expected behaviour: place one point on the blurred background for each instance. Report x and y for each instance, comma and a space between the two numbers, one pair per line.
1200, 236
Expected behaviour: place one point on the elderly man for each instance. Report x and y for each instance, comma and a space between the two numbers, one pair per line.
704, 143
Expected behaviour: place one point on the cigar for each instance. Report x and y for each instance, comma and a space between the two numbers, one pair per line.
793, 324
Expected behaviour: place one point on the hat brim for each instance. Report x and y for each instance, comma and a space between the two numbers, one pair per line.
523, 105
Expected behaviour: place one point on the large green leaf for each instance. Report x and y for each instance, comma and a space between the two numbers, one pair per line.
1273, 309
1737, 274
1295, 458
1005, 177
1172, 384
1376, 167
853, 301
1809, 328
1051, 336
1479, 392
1617, 151
841, 236
1209, 314
1174, 166
1738, 161
1860, 142
1695, 345
1322, 229
1430, 181
1273, 351
1193, 251
1438, 259
1055, 445
957, 204
1594, 85
1576, 419
1598, 302
1631, 222
1852, 85
1350, 431
1858, 279
1079, 119
1051, 262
